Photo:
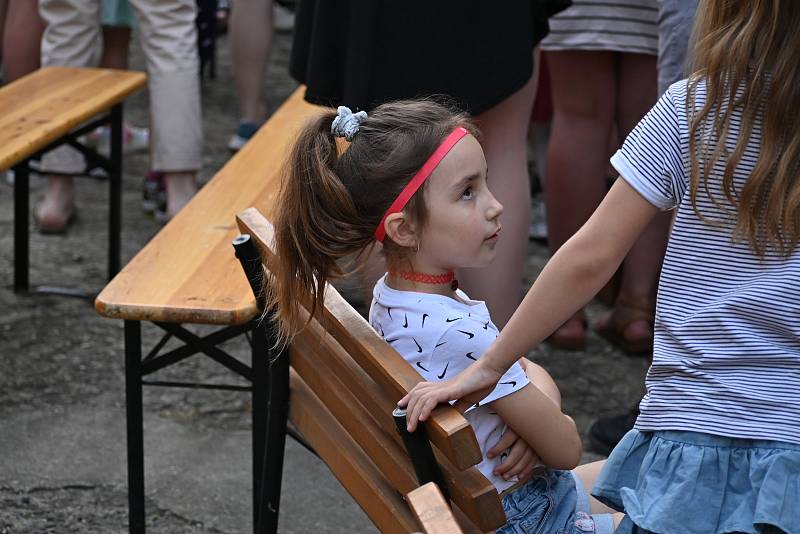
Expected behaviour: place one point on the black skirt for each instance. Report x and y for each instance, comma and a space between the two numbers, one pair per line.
361, 53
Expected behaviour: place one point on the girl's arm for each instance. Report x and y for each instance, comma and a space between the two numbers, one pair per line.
569, 280
539, 422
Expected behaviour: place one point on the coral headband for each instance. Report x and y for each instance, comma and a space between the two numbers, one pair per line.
419, 178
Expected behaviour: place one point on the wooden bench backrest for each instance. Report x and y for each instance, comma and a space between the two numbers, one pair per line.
350, 380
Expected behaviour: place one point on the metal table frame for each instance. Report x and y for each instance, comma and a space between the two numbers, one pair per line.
112, 166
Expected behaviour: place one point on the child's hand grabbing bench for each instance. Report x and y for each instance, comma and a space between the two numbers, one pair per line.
344, 383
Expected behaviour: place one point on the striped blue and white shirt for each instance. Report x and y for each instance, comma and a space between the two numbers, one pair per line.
726, 358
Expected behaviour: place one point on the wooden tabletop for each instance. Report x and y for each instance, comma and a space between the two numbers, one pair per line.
41, 107
188, 272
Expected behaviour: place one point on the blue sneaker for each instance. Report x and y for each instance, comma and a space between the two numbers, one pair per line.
244, 132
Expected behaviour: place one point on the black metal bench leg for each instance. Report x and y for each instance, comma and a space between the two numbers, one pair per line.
21, 207
133, 407
276, 437
115, 192
260, 399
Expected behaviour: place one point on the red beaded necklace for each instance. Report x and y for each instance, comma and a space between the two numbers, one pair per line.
412, 276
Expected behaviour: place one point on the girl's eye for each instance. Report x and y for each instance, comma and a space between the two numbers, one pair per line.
467, 194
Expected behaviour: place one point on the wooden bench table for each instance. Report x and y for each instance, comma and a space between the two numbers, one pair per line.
187, 274
47, 109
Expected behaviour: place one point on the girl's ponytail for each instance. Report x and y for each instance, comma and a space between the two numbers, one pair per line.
330, 204
314, 226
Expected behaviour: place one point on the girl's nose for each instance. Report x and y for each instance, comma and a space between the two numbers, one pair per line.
495, 208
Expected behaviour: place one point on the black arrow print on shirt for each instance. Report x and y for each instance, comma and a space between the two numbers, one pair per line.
486, 326
470, 334
471, 357
513, 383
441, 376
451, 320
424, 315
405, 324
439, 344
420, 366
389, 311
419, 349
390, 341
382, 334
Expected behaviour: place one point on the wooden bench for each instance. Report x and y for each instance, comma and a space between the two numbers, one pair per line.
187, 275
50, 108
344, 381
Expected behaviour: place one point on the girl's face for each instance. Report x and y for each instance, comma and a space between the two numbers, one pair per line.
463, 224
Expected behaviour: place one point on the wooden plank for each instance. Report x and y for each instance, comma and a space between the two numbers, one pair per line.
447, 428
41, 107
187, 273
351, 466
316, 358
431, 510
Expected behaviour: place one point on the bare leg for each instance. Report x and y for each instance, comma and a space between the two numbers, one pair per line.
588, 474
181, 187
251, 32
637, 92
583, 86
504, 131
116, 41
21, 39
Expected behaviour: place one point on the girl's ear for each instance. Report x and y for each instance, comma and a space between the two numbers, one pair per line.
401, 230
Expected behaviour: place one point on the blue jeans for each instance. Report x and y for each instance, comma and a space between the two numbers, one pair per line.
552, 503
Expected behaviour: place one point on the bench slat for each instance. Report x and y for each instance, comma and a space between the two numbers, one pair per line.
347, 461
41, 107
431, 510
447, 428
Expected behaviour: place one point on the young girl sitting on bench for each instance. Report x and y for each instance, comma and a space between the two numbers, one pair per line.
413, 177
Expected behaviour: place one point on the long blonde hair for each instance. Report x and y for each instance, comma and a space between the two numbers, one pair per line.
746, 51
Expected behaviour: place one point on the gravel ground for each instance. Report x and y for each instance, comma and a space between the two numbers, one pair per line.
57, 354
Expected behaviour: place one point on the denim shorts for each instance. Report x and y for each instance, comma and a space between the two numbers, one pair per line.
553, 503
693, 483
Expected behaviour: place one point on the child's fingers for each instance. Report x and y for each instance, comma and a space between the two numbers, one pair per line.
508, 439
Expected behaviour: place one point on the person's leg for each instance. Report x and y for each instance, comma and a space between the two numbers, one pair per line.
71, 38
22, 38
504, 130
635, 304
588, 474
169, 41
251, 35
583, 85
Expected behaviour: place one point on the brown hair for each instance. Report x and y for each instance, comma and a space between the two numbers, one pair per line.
330, 204
746, 52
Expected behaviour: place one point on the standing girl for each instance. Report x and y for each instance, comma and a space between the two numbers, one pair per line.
717, 445
414, 177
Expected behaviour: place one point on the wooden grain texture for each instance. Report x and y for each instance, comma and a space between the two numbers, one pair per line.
41, 107
188, 273
351, 465
431, 510
318, 359
447, 428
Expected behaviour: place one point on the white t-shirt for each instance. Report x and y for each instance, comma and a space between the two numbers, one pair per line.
440, 336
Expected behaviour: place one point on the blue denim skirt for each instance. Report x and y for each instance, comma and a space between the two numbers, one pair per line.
552, 503
687, 482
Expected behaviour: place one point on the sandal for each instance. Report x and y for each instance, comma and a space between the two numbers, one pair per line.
628, 310
562, 341
50, 228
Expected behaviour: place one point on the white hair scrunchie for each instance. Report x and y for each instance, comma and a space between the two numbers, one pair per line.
346, 122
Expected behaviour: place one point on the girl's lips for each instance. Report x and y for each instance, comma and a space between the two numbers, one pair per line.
494, 235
